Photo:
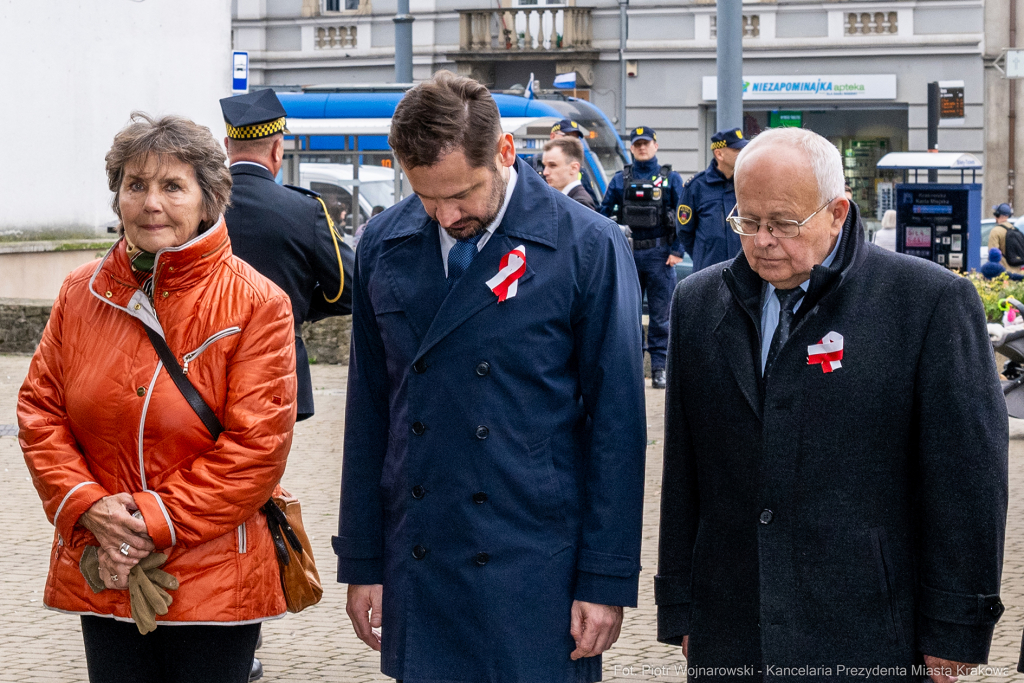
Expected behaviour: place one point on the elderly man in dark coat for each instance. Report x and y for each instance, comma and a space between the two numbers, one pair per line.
492, 484
835, 478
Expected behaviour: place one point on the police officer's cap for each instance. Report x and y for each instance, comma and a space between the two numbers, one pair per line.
254, 115
1002, 210
732, 138
568, 127
642, 133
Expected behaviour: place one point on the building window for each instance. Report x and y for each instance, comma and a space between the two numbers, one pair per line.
341, 5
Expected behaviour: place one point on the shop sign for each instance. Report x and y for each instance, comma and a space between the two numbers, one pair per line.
863, 87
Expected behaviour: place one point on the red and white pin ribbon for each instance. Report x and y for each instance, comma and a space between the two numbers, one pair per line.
506, 283
827, 352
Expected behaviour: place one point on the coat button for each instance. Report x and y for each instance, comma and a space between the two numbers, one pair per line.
418, 428
996, 609
482, 432
482, 368
480, 497
418, 492
141, 391
419, 367
481, 559
419, 552
766, 517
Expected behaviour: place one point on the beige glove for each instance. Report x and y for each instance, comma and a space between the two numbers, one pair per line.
146, 588
89, 565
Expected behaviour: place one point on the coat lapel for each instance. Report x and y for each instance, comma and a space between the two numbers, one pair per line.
738, 331
734, 339
413, 268
471, 293
531, 216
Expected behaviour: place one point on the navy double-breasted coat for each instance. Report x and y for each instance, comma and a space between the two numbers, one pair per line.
494, 452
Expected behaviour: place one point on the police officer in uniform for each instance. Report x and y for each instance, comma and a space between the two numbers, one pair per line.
282, 231
708, 197
644, 196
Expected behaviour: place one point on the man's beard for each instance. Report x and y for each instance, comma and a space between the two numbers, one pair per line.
470, 226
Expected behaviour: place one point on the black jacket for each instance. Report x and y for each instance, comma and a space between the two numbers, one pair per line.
852, 518
580, 194
284, 234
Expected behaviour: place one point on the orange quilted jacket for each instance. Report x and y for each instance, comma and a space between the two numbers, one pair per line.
99, 415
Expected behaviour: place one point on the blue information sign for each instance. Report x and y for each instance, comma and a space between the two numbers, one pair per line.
240, 72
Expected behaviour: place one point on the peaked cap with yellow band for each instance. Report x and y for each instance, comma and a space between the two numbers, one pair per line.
254, 115
732, 138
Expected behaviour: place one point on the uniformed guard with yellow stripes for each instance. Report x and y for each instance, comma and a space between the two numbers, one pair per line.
285, 232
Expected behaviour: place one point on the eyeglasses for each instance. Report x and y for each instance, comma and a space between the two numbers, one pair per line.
776, 228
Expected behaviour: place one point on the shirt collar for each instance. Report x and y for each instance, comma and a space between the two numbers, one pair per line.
770, 289
568, 188
251, 163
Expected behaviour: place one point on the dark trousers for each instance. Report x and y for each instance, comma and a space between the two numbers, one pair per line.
116, 652
657, 282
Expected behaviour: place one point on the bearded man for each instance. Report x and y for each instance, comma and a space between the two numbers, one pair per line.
492, 484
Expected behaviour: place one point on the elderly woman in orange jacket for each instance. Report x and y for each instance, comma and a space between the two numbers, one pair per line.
120, 459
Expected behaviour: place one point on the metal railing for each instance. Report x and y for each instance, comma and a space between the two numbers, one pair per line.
536, 28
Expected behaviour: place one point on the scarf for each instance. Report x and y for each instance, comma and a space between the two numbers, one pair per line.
142, 263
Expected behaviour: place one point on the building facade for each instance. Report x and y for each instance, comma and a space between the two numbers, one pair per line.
75, 73
856, 72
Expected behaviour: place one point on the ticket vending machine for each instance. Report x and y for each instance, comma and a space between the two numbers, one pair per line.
940, 222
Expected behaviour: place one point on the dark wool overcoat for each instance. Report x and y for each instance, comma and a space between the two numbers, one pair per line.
845, 519
284, 234
494, 452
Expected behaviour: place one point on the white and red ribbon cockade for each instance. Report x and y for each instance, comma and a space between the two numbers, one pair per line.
506, 283
828, 352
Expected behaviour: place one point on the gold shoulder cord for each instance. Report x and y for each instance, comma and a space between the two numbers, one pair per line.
337, 251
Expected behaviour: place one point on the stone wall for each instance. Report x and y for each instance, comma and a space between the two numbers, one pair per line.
327, 341
22, 322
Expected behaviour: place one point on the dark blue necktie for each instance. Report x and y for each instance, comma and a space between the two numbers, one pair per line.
788, 299
459, 258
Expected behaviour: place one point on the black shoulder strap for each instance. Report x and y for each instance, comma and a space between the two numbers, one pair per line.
627, 174
184, 386
666, 170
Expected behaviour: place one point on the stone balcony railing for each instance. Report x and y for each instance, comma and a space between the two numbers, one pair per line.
531, 30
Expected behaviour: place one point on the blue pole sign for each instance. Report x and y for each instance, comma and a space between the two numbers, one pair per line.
240, 73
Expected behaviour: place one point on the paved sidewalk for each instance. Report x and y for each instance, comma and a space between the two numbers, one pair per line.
37, 645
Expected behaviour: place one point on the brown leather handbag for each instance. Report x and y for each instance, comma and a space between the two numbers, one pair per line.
299, 578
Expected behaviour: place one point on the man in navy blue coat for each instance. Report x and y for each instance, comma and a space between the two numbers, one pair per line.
707, 199
492, 484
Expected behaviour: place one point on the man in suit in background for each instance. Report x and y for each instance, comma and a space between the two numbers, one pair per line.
562, 160
850, 511
282, 231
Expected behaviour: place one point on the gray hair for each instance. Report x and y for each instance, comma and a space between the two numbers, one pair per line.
181, 139
825, 161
